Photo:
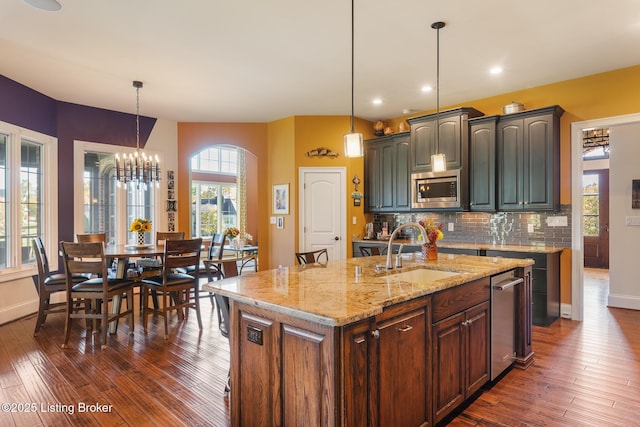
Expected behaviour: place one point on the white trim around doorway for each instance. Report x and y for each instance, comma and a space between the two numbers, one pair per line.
577, 255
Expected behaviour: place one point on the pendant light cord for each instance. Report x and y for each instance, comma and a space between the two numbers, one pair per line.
437, 26
352, 63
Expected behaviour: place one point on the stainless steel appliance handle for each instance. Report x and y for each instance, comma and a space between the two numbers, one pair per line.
506, 285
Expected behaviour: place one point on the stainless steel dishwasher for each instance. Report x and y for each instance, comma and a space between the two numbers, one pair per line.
503, 309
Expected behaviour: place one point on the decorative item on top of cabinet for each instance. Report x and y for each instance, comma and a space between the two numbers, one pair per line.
528, 154
452, 139
386, 172
378, 128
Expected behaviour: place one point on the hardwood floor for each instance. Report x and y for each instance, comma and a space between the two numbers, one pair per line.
585, 374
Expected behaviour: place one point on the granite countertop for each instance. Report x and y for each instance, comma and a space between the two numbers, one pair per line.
332, 294
474, 246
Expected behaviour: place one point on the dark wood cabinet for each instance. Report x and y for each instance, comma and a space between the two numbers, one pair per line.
386, 171
482, 164
452, 138
528, 154
461, 352
545, 291
387, 369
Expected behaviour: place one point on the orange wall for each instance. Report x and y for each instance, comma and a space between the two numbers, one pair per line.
312, 132
194, 137
282, 170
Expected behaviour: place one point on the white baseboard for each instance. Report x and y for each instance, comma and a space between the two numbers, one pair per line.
8, 314
565, 311
623, 301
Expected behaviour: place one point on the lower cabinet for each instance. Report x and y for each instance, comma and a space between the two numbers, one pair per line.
460, 357
387, 369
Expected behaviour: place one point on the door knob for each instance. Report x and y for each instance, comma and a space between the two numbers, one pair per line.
336, 238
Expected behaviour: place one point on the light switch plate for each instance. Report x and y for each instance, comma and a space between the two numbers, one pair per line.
272, 220
450, 226
632, 220
530, 228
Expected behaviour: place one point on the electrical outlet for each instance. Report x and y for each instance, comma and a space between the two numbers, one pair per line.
450, 226
530, 228
354, 220
557, 221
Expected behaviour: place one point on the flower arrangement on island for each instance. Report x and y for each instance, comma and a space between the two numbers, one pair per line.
434, 233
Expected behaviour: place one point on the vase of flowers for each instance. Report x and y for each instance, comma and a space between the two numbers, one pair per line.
231, 233
434, 233
140, 226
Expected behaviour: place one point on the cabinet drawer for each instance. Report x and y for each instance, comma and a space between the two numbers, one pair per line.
459, 298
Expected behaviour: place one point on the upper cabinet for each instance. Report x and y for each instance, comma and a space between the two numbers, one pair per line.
452, 138
528, 156
482, 163
386, 171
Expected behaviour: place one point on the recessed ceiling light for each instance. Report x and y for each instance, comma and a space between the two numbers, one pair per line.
377, 101
495, 70
426, 88
48, 5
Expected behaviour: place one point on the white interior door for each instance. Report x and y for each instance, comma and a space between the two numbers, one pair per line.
323, 210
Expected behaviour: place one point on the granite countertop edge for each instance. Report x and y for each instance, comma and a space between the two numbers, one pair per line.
332, 294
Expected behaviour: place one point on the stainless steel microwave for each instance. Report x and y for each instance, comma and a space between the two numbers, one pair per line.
436, 190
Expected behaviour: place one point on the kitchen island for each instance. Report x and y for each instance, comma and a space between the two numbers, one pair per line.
321, 345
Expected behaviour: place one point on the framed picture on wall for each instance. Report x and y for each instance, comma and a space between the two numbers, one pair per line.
635, 194
281, 199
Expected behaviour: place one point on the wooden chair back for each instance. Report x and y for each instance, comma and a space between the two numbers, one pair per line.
181, 254
163, 236
84, 258
216, 249
371, 250
41, 260
91, 237
311, 257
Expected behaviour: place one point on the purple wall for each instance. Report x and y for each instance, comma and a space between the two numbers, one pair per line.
24, 107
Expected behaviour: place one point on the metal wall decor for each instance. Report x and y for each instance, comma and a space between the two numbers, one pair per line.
172, 203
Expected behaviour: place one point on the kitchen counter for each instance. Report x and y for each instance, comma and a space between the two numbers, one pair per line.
469, 245
331, 294
319, 345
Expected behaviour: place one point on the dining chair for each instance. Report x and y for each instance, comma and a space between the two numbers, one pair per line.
371, 250
311, 257
228, 268
91, 237
47, 284
85, 299
147, 265
178, 290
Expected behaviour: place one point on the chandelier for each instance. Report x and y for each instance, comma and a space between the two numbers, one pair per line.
137, 170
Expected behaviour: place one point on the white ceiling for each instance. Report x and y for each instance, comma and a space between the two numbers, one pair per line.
259, 61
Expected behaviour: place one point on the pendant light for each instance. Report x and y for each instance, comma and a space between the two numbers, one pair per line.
137, 170
353, 144
438, 160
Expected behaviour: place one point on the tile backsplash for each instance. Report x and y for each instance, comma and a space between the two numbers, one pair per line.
499, 228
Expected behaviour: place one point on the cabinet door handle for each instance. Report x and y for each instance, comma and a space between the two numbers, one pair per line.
470, 321
465, 323
376, 333
405, 328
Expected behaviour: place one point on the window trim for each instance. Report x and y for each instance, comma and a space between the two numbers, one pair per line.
50, 198
79, 148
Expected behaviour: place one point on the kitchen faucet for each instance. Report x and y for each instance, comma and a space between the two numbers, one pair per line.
389, 265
